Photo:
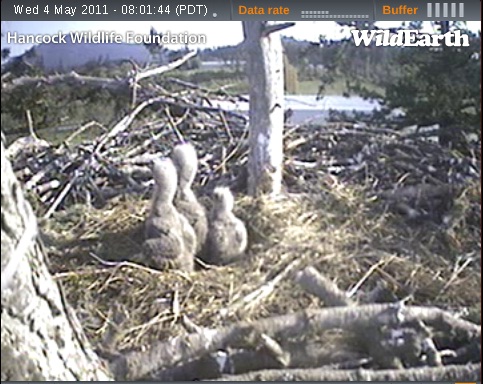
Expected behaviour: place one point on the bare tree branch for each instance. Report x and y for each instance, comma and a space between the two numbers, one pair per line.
165, 68
71, 78
271, 28
74, 78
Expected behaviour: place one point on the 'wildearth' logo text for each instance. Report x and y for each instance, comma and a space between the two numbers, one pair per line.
409, 38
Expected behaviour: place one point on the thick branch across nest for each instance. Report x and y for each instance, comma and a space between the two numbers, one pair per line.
471, 372
181, 349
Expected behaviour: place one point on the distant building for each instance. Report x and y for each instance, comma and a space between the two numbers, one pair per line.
68, 56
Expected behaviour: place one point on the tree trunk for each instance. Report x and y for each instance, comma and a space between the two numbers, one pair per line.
265, 74
41, 336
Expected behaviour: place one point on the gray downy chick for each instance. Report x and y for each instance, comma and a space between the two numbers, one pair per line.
227, 235
170, 240
186, 162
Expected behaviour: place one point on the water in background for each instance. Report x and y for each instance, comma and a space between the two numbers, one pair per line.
308, 108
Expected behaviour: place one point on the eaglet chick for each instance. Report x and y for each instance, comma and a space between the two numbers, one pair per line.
186, 162
170, 239
227, 234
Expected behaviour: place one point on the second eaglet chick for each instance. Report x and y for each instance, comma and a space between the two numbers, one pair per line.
186, 162
170, 239
227, 234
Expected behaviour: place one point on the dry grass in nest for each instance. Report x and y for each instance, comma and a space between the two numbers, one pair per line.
349, 239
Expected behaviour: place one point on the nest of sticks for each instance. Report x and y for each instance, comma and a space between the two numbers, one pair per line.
369, 216
370, 256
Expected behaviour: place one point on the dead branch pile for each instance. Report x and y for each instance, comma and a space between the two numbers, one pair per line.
414, 175
117, 162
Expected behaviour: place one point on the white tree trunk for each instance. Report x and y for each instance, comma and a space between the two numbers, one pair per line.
41, 337
265, 74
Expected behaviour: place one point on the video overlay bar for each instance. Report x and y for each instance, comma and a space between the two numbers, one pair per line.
318, 382
210, 10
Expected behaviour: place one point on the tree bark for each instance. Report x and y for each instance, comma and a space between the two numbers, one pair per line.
41, 336
265, 74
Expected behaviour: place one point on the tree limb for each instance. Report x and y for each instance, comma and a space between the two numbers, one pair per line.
75, 79
135, 365
71, 78
271, 28
471, 372
313, 282
165, 68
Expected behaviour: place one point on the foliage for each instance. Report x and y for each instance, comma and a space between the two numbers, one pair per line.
5, 53
431, 85
61, 104
232, 56
439, 85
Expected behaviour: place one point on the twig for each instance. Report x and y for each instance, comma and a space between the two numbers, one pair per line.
233, 152
223, 160
82, 129
165, 68
120, 264
313, 282
366, 276
173, 125
31, 125
125, 122
134, 84
145, 144
225, 125
261, 293
456, 272
61, 196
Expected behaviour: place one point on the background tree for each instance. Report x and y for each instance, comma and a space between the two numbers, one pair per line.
432, 85
440, 86
290, 77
